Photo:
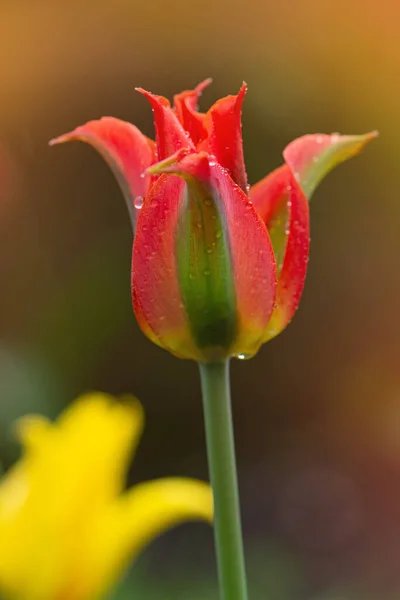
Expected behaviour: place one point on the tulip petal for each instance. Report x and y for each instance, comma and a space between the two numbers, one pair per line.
185, 105
126, 150
283, 206
281, 201
50, 449
71, 472
170, 134
156, 296
242, 234
311, 157
224, 136
136, 519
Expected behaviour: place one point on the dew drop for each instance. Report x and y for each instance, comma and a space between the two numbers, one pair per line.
243, 356
138, 202
208, 202
319, 139
209, 249
207, 272
335, 138
218, 234
212, 163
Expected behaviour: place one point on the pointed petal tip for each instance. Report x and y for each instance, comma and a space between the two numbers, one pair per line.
243, 89
65, 137
200, 87
368, 137
154, 99
311, 157
362, 138
78, 132
144, 93
165, 166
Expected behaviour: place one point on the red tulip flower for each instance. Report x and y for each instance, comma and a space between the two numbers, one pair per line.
218, 266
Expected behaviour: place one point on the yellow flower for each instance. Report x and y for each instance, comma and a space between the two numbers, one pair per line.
67, 528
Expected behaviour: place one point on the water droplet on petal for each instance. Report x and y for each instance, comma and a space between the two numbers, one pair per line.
319, 139
218, 234
243, 356
335, 137
138, 202
212, 163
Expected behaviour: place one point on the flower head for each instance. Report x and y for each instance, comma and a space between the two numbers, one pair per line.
218, 266
67, 528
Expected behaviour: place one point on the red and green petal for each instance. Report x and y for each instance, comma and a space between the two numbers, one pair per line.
312, 157
155, 290
186, 105
203, 274
282, 198
283, 207
170, 134
223, 123
126, 150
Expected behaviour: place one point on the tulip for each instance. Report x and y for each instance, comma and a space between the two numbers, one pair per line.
67, 528
218, 267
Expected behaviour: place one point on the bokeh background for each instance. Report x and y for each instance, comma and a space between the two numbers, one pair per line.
317, 411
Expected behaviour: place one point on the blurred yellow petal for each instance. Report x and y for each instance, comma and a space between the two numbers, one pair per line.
100, 434
139, 516
32, 431
66, 528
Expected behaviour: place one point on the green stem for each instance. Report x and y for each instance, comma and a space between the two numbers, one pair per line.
222, 465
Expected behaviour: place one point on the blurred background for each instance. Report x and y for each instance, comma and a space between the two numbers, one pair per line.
317, 411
